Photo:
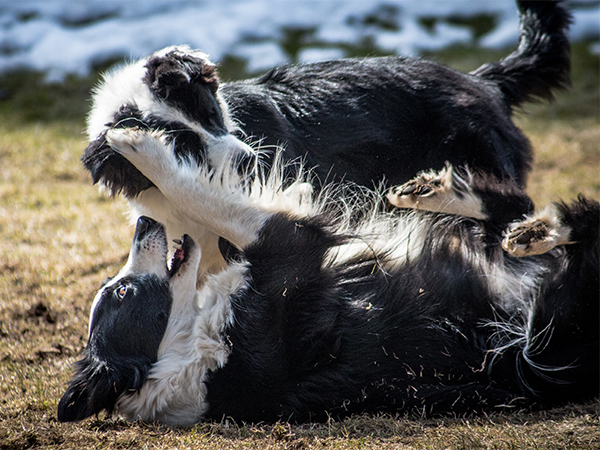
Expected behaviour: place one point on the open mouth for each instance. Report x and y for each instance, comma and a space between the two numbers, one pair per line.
183, 249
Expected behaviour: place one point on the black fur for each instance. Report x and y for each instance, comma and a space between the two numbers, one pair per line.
542, 62
503, 201
381, 117
366, 120
571, 306
311, 342
229, 252
338, 341
190, 85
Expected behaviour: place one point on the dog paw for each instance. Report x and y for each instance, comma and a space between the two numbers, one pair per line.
126, 140
537, 234
441, 191
426, 187
148, 151
409, 193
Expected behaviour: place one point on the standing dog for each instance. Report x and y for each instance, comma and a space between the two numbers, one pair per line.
329, 305
361, 120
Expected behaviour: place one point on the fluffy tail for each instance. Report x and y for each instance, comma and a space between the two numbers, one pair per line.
542, 61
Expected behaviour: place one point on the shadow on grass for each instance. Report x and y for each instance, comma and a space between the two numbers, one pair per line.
378, 427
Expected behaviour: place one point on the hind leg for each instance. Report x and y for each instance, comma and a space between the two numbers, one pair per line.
441, 191
460, 192
560, 361
537, 234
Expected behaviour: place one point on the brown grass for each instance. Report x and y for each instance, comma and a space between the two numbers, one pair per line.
59, 239
567, 158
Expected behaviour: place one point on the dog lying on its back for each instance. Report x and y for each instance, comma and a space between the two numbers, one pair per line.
361, 120
321, 313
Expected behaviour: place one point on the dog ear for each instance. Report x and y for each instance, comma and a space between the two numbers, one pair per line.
95, 155
116, 173
173, 74
89, 393
97, 386
229, 251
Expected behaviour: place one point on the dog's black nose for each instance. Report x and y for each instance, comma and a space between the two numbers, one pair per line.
144, 226
146, 221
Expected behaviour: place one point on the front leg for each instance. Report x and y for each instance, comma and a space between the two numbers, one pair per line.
149, 151
213, 198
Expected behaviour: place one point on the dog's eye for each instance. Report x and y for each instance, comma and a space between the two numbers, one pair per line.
121, 292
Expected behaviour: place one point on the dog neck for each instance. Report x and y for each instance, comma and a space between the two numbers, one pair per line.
193, 345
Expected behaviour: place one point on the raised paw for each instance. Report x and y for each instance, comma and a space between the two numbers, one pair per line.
441, 191
148, 151
536, 234
130, 140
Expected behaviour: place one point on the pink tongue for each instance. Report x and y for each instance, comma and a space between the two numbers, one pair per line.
178, 254
176, 261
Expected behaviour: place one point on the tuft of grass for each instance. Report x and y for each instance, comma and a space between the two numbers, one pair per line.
59, 238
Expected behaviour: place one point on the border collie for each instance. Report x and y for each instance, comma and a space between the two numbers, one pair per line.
332, 305
365, 121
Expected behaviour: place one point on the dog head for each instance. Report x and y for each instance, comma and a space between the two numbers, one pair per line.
128, 320
175, 90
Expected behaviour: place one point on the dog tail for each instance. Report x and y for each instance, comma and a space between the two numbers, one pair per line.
542, 61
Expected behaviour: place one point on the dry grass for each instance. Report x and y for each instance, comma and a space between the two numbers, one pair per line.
568, 428
567, 158
59, 239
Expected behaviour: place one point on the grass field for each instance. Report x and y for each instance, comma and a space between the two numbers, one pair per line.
59, 238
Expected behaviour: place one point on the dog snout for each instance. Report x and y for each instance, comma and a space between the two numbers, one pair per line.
149, 248
146, 226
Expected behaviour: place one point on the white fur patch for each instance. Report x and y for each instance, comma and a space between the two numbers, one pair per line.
208, 203
392, 240
174, 392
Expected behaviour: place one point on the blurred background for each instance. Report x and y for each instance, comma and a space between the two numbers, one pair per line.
68, 37
54, 42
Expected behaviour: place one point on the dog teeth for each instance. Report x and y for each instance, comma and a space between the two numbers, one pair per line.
178, 244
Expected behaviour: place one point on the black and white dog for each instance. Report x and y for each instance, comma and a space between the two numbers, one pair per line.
361, 120
320, 313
